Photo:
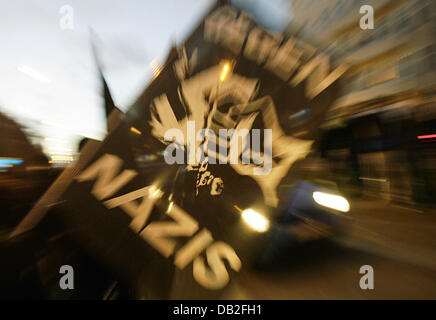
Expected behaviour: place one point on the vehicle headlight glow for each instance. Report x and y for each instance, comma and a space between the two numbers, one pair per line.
331, 201
255, 220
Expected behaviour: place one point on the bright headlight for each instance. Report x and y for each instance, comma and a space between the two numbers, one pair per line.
331, 201
255, 220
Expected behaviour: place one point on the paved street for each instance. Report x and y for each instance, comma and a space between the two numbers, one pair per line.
397, 241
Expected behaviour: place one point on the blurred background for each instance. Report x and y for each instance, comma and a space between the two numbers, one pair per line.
378, 141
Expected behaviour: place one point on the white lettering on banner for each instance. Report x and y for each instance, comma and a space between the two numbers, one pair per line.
226, 29
183, 66
193, 248
217, 277
138, 213
159, 234
206, 179
282, 59
105, 169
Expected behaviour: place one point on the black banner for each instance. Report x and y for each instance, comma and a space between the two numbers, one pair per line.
160, 202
